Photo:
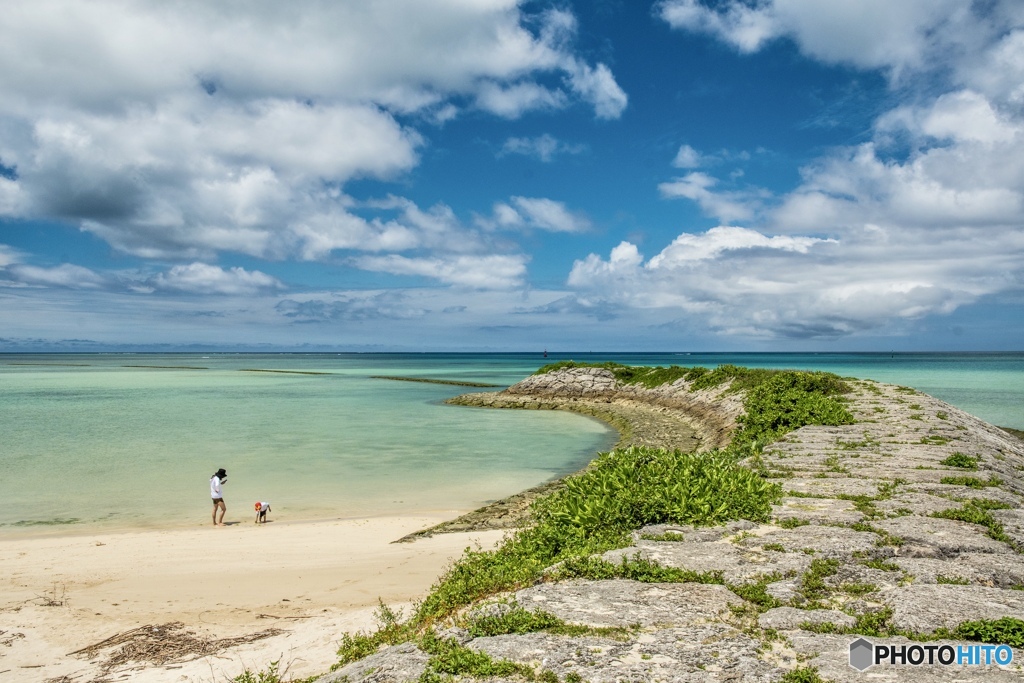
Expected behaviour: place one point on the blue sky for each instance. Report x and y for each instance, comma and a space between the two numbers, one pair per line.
779, 175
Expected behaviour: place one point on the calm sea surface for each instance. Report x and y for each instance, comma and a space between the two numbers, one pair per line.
91, 441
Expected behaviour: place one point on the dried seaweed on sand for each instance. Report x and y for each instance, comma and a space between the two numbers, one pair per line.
164, 644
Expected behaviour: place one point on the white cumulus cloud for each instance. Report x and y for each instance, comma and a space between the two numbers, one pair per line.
544, 147
203, 278
925, 217
475, 272
537, 213
178, 131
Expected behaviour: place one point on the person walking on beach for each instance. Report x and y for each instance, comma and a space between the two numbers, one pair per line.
216, 481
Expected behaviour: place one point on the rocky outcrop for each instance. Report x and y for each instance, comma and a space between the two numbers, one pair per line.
669, 416
878, 531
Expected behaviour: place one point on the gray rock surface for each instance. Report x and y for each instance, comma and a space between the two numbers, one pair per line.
925, 608
705, 652
790, 618
618, 602
397, 664
882, 475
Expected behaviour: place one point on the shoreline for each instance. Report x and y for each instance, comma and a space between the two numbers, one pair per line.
302, 584
311, 579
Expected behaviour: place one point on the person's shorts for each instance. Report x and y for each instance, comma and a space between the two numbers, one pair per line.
218, 500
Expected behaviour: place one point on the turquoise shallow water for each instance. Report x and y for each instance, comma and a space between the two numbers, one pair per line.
100, 441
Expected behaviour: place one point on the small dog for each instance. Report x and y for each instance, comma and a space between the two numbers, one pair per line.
262, 508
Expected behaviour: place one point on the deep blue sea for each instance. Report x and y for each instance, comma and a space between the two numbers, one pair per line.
93, 441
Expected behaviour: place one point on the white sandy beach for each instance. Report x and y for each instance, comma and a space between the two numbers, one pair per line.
313, 580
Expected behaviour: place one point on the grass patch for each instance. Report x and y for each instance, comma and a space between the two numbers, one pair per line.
803, 674
961, 460
972, 482
634, 568
883, 565
777, 547
668, 536
597, 509
884, 537
271, 674
952, 580
1007, 630
792, 522
519, 621
449, 658
812, 583
391, 630
757, 592
977, 511
516, 620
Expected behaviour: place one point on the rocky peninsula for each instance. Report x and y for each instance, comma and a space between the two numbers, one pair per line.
903, 527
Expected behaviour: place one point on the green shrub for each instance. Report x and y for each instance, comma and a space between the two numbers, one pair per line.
450, 658
972, 482
667, 537
789, 400
269, 675
792, 522
1008, 630
391, 630
633, 487
961, 460
633, 568
516, 620
812, 583
976, 511
804, 674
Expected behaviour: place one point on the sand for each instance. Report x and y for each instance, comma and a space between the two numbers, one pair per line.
312, 580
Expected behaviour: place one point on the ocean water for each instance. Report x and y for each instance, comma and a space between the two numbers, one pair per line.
108, 441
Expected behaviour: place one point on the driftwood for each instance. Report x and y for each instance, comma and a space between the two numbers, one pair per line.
163, 644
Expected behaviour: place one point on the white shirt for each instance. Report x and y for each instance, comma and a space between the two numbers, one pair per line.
215, 491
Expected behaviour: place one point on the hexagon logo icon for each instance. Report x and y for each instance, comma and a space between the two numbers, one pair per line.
862, 654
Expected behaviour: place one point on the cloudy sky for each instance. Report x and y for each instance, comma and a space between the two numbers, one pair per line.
499, 175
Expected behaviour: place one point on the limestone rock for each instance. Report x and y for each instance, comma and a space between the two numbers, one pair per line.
620, 602
927, 607
788, 618
398, 664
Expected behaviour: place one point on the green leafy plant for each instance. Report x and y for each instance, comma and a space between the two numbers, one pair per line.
1008, 630
977, 511
812, 583
972, 482
516, 620
391, 630
804, 674
668, 536
269, 675
952, 580
792, 522
450, 658
789, 400
883, 565
961, 460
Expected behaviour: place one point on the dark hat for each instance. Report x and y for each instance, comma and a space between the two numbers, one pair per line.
221, 473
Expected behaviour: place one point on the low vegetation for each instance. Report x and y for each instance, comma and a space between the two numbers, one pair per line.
624, 490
